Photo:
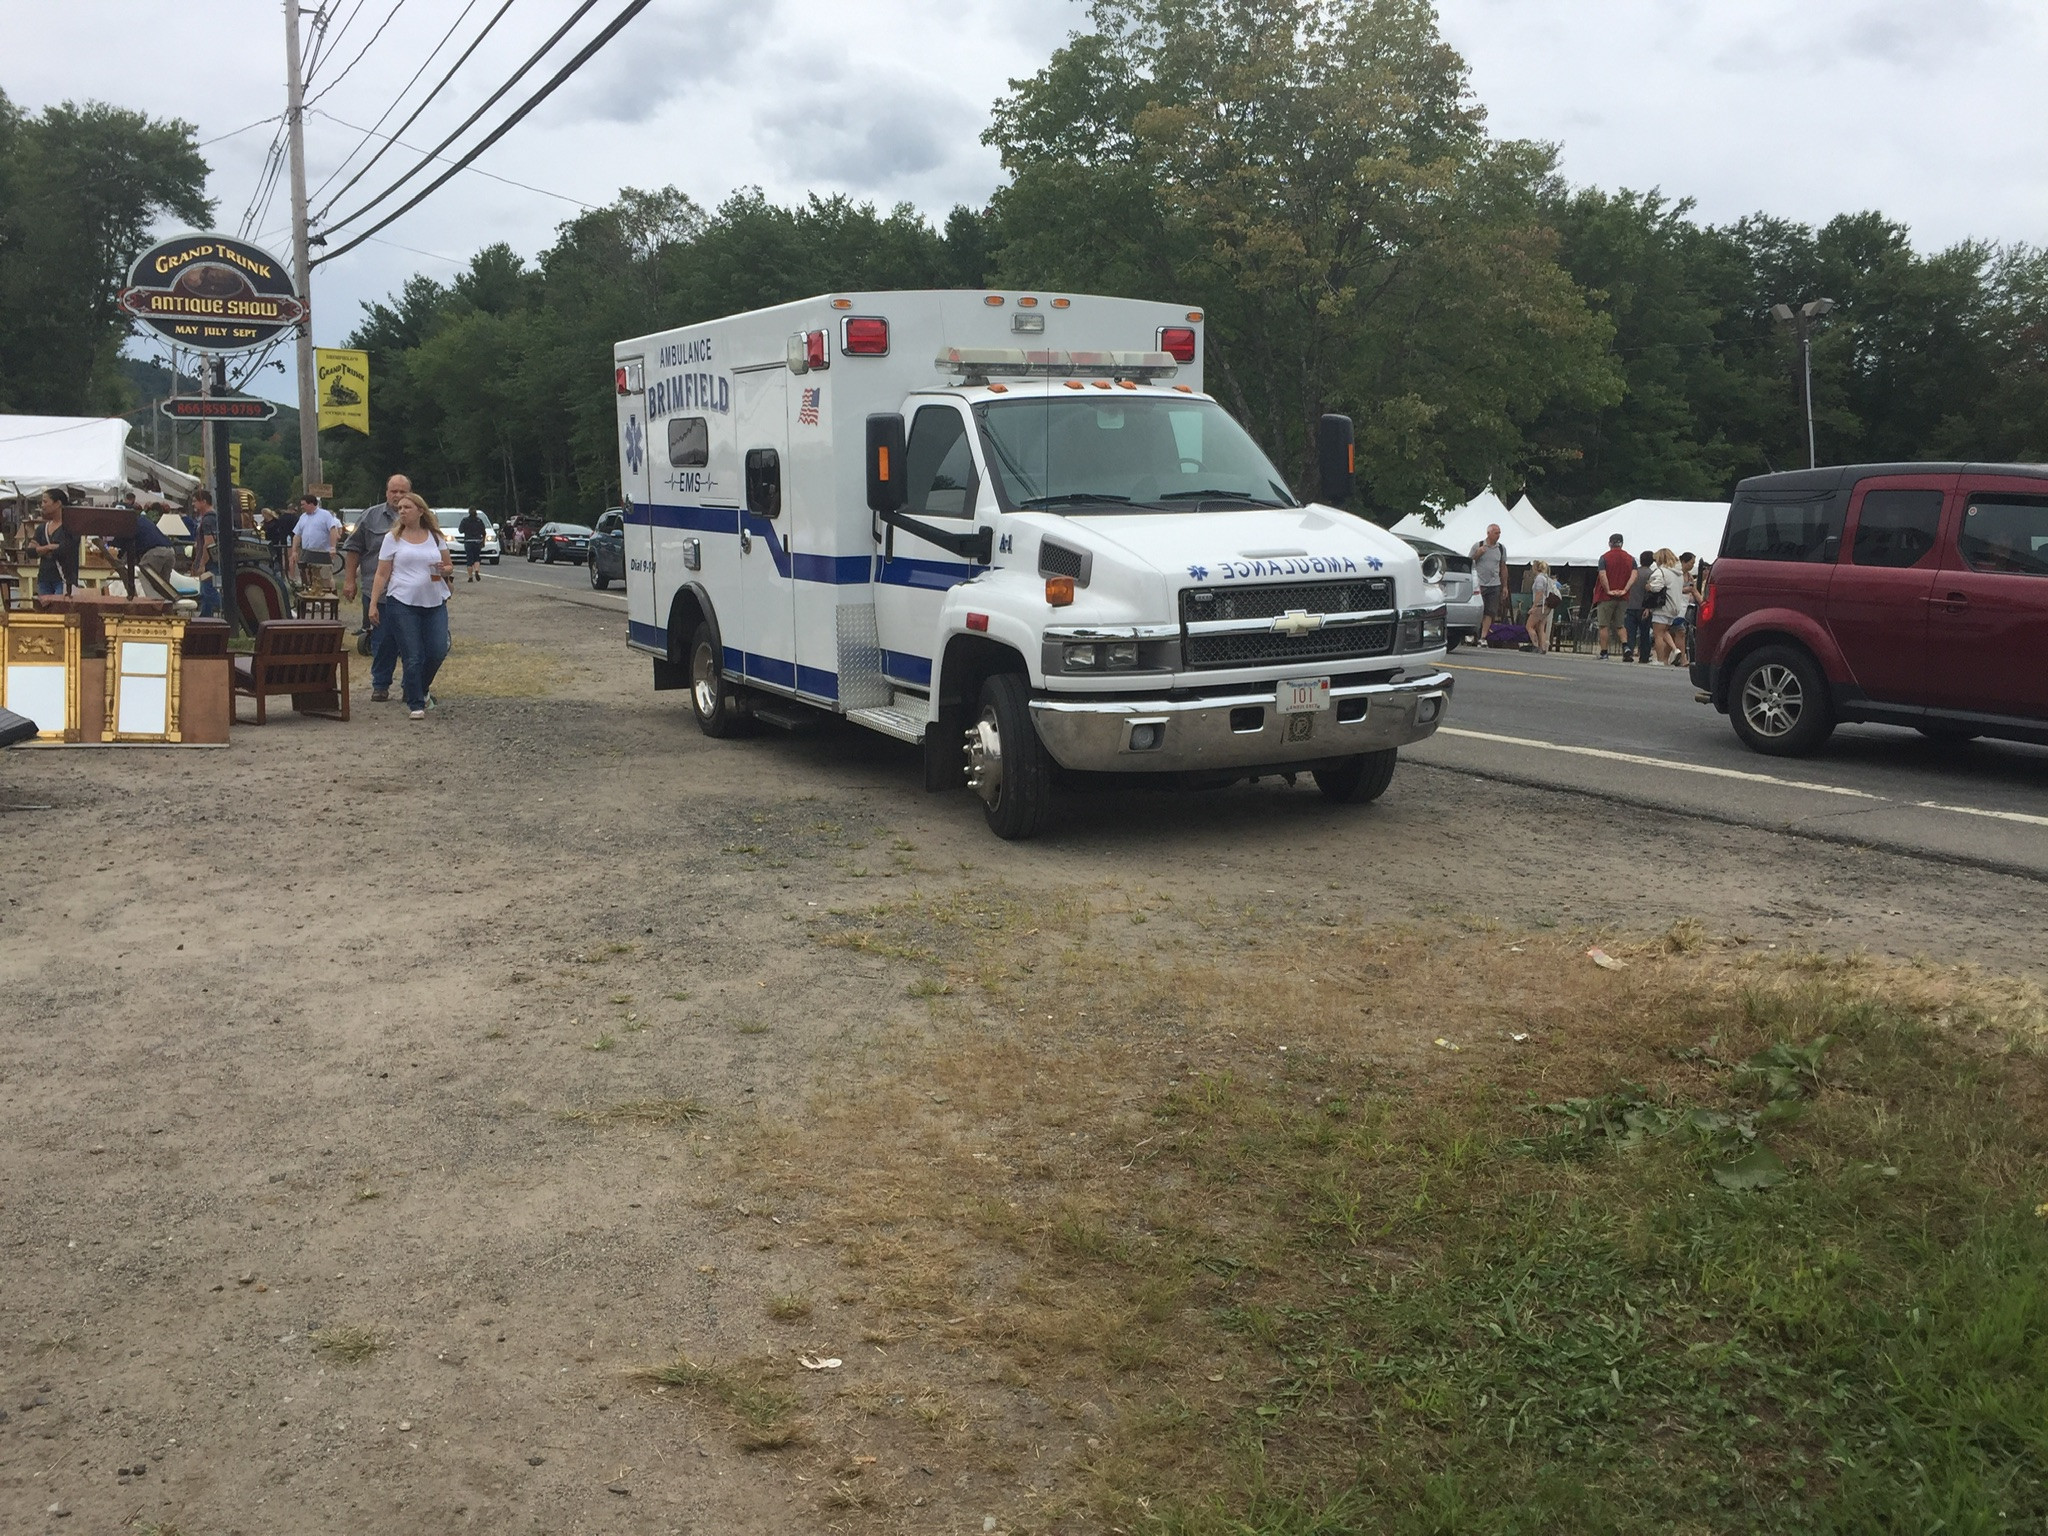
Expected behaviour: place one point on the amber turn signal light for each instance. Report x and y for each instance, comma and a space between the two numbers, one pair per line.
1059, 591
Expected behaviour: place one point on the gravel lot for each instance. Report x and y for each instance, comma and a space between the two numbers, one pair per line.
438, 1037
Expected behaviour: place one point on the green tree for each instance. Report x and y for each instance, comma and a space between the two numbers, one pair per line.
80, 188
1314, 175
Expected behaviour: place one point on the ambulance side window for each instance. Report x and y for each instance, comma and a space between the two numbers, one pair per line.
689, 442
764, 482
939, 464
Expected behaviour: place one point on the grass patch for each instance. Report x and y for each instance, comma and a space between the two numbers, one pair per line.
500, 670
636, 1112
762, 1410
346, 1342
601, 1043
1717, 1242
789, 1308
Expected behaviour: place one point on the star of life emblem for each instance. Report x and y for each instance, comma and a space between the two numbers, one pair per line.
635, 442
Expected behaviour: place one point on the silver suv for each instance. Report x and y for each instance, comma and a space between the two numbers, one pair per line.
1463, 608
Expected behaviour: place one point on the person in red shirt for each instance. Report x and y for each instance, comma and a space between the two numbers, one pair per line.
1610, 592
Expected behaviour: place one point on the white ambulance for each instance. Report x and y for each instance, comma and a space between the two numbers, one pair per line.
1012, 529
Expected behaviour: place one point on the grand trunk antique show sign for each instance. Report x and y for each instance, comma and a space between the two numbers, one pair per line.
212, 293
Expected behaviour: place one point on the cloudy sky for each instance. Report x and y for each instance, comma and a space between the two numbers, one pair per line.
1805, 108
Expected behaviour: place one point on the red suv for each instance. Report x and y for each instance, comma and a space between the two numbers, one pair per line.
1906, 594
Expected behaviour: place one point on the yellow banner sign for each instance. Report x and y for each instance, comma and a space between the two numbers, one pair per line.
344, 388
196, 465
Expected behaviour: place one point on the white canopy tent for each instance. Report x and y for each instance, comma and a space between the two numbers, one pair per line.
88, 452
1520, 525
1643, 524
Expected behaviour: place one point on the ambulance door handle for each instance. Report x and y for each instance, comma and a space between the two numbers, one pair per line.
746, 542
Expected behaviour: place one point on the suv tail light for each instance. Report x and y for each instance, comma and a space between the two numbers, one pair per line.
1707, 609
1178, 342
864, 336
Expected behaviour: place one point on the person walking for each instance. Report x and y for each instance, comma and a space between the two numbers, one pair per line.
411, 595
1637, 647
205, 529
359, 558
1490, 570
473, 528
1544, 595
312, 547
1664, 590
1610, 596
56, 550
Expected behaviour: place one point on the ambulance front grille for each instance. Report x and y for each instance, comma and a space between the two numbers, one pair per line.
1264, 647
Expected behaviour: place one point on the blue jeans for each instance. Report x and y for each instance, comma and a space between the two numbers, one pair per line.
421, 636
209, 596
49, 586
383, 649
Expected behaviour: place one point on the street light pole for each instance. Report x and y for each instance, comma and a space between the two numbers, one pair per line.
1801, 320
295, 122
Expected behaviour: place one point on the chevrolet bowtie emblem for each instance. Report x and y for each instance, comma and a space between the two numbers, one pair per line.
1297, 621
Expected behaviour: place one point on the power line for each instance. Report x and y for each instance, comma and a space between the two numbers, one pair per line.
390, 16
234, 132
322, 42
474, 170
562, 74
517, 75
371, 131
266, 184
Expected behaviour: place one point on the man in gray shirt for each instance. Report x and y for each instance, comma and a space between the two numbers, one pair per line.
1490, 571
359, 552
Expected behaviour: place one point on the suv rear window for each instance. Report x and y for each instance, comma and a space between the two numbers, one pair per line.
1896, 528
1762, 526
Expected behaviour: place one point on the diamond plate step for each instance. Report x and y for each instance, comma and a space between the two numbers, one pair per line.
900, 723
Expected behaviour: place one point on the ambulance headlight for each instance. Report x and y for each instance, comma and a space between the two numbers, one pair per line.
1082, 658
1122, 654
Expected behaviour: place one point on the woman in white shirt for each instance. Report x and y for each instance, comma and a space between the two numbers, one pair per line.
1664, 600
1541, 585
411, 593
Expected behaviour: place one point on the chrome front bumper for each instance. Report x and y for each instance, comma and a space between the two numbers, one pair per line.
1220, 733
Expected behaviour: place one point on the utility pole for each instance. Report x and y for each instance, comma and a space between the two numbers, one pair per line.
1801, 320
309, 384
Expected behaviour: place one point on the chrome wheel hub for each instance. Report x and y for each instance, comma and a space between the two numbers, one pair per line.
983, 751
1772, 700
704, 683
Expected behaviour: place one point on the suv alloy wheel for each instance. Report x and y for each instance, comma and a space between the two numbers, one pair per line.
1778, 702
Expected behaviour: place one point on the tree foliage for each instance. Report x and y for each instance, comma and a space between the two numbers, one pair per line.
80, 189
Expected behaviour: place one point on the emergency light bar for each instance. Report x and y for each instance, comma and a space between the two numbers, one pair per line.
979, 364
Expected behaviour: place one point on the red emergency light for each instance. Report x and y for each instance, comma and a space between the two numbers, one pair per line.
1178, 342
817, 350
864, 336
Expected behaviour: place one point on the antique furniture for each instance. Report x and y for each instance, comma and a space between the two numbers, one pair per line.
306, 658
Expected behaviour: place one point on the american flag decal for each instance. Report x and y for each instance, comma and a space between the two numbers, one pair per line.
807, 411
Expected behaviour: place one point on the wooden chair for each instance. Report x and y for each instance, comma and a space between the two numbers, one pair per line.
319, 605
306, 658
261, 596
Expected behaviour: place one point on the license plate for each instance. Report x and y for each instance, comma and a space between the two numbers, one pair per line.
1304, 695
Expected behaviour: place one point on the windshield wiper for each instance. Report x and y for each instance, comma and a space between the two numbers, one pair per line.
1218, 495
1072, 499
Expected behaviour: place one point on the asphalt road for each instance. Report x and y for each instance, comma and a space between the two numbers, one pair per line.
1635, 735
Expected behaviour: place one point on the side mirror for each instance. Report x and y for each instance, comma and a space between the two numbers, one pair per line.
885, 463
1336, 459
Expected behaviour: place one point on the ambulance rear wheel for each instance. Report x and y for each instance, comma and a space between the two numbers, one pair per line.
1006, 763
1358, 780
712, 699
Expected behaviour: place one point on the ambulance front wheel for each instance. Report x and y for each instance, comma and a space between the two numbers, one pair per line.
711, 700
1007, 765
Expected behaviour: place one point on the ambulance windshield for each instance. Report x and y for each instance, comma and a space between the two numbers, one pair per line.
1124, 453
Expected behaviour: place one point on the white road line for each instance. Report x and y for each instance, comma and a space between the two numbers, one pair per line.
1659, 762
555, 586
1971, 810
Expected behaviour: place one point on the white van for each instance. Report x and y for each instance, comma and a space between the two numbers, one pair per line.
1012, 529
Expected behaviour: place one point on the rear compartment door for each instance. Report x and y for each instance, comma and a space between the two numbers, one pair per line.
1987, 623
766, 631
1877, 602
636, 496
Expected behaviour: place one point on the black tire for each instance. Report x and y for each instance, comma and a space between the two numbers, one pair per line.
1004, 743
1358, 780
532, 553
1453, 639
1948, 735
1778, 702
713, 700
547, 555
597, 581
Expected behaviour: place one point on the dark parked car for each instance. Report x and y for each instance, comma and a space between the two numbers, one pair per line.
1905, 594
558, 541
608, 549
